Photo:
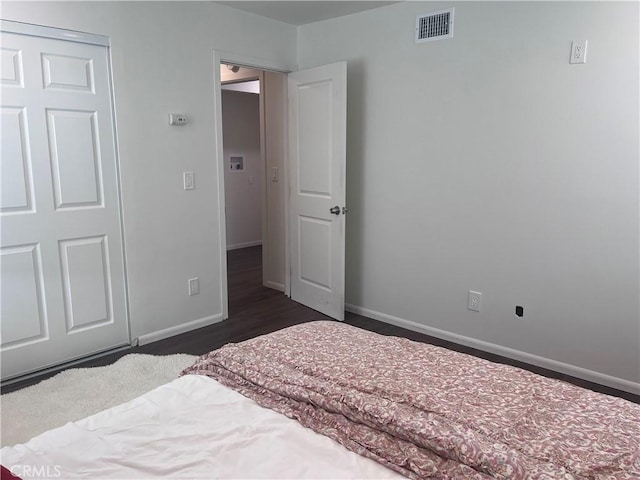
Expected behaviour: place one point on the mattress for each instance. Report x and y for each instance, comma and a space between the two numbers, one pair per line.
192, 427
429, 412
384, 406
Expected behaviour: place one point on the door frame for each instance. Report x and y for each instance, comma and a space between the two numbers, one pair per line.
55, 33
219, 57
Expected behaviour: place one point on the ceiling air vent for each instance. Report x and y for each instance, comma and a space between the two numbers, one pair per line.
434, 26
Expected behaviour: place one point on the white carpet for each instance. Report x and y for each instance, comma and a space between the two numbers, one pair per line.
79, 392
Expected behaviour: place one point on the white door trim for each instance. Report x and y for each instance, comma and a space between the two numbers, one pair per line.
10, 26
222, 56
116, 146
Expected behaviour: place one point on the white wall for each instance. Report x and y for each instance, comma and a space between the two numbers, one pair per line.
163, 62
483, 162
487, 162
242, 189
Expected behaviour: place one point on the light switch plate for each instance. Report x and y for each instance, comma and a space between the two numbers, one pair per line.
189, 180
194, 286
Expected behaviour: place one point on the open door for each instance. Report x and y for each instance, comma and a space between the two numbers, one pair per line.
317, 153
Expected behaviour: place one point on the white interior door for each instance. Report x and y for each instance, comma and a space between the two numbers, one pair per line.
62, 269
317, 152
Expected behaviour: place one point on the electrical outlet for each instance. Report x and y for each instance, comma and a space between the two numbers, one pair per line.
475, 301
578, 52
194, 286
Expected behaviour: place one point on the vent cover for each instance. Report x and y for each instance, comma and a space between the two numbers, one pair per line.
434, 26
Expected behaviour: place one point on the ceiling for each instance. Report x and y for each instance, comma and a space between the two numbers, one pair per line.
303, 12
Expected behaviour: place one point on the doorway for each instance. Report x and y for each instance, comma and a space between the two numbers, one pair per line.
304, 114
253, 138
243, 169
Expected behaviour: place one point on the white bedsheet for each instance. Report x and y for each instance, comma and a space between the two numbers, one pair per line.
192, 427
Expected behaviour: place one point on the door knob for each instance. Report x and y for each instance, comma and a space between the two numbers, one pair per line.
335, 210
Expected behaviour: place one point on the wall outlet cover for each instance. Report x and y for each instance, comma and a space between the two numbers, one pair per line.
578, 52
194, 286
475, 301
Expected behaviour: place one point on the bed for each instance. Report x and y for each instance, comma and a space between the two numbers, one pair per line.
347, 403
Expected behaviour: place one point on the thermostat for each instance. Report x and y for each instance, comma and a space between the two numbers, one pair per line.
177, 119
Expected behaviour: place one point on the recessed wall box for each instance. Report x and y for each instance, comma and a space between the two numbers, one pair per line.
236, 163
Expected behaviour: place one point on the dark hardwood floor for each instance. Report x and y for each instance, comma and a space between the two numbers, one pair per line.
255, 310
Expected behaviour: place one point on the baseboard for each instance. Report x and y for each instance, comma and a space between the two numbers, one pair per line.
565, 368
178, 329
274, 285
237, 246
62, 366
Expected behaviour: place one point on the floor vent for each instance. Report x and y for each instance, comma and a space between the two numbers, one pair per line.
434, 26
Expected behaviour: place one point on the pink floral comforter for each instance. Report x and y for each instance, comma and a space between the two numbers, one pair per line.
428, 412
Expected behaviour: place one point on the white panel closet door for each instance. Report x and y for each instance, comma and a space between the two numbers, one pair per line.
317, 135
62, 268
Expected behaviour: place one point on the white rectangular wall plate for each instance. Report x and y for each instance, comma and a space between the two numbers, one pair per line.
189, 180
578, 52
475, 301
177, 119
194, 286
